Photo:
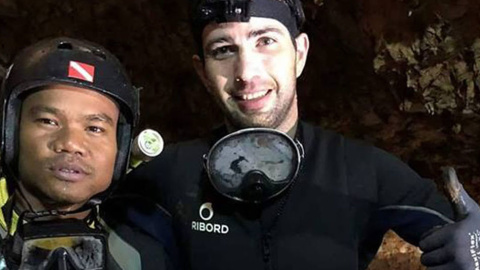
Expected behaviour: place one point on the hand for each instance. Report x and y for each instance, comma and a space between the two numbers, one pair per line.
455, 246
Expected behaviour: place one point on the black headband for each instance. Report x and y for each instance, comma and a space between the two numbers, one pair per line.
243, 10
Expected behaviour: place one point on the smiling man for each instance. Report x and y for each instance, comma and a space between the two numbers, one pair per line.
257, 198
251, 70
69, 113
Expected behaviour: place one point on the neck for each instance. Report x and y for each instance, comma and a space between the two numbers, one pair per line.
289, 125
293, 131
26, 201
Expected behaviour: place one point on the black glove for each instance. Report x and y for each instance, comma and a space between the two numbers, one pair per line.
455, 246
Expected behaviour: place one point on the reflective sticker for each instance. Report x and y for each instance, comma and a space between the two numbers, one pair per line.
81, 71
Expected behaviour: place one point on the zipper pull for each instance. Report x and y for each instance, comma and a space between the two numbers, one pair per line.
266, 240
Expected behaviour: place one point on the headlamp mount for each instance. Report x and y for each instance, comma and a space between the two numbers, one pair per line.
227, 11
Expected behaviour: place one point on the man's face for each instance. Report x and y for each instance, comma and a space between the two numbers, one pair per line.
250, 68
68, 145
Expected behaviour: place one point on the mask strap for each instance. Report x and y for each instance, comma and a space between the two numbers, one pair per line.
267, 230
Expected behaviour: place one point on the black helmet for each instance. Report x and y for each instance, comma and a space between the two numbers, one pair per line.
72, 62
203, 12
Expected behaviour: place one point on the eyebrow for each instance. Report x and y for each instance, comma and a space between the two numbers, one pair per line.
100, 117
97, 117
251, 34
217, 40
43, 109
259, 32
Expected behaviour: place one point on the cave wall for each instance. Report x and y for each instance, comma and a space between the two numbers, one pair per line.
401, 74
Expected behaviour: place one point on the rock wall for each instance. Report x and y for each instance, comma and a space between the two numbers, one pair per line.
401, 74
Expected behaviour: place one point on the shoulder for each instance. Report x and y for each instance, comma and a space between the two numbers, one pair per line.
360, 163
134, 250
175, 158
192, 149
333, 143
174, 153
129, 221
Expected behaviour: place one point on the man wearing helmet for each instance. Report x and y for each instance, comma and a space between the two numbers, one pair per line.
258, 200
69, 111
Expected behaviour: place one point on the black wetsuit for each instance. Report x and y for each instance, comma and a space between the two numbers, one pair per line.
333, 216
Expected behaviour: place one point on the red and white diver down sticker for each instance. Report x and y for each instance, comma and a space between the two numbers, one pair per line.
81, 71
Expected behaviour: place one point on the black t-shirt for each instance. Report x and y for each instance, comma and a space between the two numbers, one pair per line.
346, 196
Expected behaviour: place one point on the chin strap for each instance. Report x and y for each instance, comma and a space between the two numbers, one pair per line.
31, 214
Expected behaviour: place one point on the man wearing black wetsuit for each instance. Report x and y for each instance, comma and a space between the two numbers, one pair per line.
340, 198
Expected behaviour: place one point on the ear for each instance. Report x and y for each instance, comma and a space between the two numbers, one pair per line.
199, 65
303, 44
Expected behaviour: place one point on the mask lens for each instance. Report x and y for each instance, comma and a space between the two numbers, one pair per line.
75, 252
270, 154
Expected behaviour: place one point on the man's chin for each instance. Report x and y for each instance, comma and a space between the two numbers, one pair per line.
66, 202
251, 122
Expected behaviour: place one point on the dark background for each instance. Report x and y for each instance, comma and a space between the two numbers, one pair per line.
401, 74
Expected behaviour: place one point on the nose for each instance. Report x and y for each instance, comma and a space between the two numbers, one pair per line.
247, 69
69, 140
